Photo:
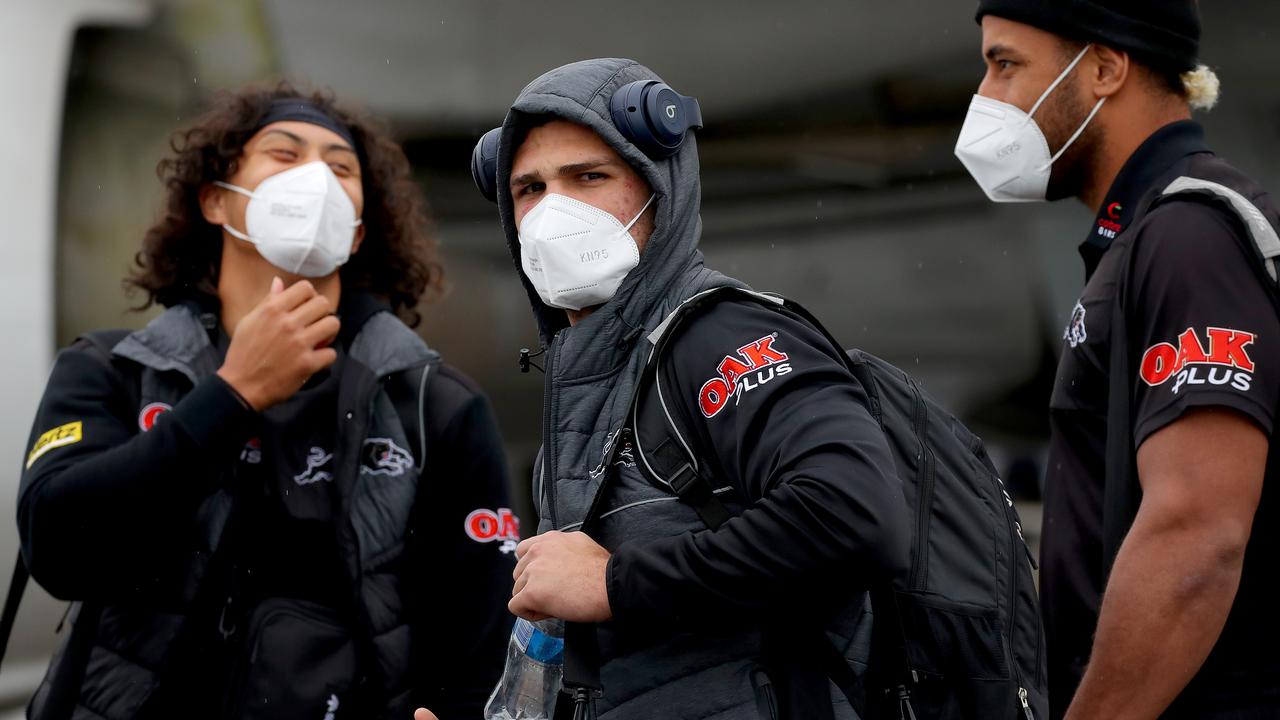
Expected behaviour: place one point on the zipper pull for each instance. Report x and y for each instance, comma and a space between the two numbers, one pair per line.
584, 707
526, 360
1026, 709
1030, 557
905, 711
226, 626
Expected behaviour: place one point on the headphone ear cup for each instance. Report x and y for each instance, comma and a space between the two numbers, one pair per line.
638, 110
484, 164
667, 124
628, 112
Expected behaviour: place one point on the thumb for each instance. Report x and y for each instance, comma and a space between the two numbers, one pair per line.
424, 714
277, 285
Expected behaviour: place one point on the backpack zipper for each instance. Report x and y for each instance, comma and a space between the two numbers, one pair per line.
1026, 709
1031, 564
1011, 515
1015, 539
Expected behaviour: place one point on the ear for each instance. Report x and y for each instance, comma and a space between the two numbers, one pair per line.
1109, 71
213, 205
355, 244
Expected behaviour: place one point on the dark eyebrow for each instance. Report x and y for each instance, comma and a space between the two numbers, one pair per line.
526, 179
571, 169
340, 147
586, 165
287, 134
996, 50
301, 141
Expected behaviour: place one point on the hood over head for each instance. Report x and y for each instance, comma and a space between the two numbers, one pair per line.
580, 93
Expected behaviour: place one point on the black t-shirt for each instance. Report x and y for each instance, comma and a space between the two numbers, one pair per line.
1207, 335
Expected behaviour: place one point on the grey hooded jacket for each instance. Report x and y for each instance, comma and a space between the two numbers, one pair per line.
677, 671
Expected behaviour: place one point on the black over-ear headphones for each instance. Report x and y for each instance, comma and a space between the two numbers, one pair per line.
648, 113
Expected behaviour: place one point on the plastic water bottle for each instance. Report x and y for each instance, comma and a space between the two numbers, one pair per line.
531, 678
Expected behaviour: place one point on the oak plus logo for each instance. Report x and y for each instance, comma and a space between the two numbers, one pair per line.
500, 526
150, 413
756, 363
1222, 359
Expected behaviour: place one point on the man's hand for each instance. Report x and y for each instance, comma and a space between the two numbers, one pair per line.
280, 343
424, 714
561, 575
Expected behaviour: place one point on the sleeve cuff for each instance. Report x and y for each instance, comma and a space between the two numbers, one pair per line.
628, 603
1243, 404
215, 416
612, 588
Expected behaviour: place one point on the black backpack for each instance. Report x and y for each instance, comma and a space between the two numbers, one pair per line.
960, 636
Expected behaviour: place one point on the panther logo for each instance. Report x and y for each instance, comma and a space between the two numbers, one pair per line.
1076, 332
319, 468
381, 456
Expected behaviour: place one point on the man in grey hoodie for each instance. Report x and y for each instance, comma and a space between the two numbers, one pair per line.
603, 229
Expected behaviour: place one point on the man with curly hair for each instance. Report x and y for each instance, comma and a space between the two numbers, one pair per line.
273, 501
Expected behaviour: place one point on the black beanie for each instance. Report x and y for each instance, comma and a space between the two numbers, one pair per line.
1164, 34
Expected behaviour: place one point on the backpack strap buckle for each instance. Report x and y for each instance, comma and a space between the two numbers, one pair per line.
692, 488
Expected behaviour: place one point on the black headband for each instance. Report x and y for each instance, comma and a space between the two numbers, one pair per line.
304, 110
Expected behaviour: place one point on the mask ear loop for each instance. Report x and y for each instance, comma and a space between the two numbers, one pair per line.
1053, 86
233, 188
1077, 134
637, 217
227, 226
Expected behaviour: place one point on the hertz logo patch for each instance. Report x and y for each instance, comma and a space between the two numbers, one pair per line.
60, 436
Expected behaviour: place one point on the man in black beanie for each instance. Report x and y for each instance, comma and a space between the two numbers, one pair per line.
1160, 485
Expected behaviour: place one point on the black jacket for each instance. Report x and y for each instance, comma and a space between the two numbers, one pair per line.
107, 513
825, 515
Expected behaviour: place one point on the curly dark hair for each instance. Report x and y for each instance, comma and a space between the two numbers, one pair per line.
181, 253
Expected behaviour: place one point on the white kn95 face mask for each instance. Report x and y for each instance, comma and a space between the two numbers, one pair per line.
1004, 149
574, 253
300, 220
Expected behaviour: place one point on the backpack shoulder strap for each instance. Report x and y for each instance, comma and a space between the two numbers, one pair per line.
670, 457
1121, 491
1265, 240
101, 341
663, 451
17, 586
